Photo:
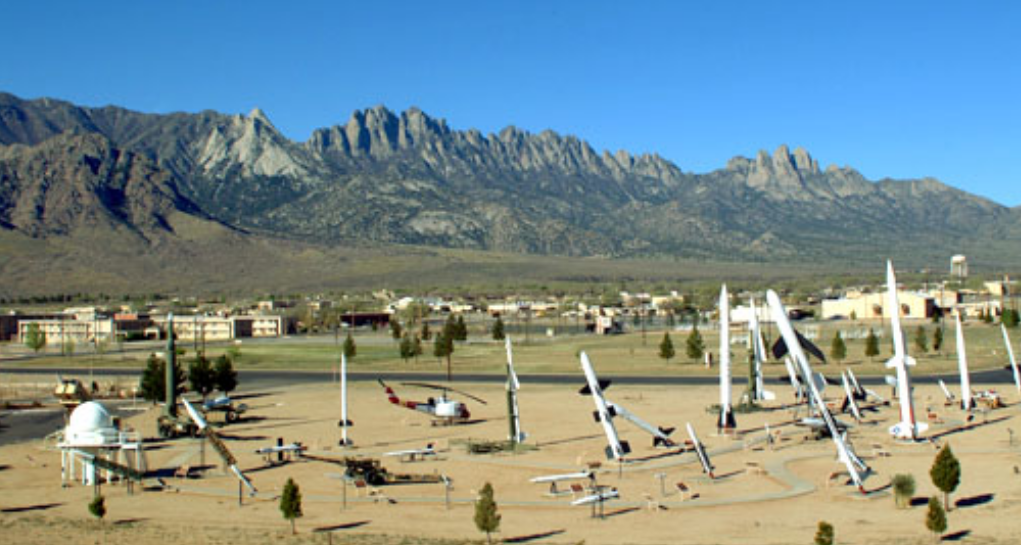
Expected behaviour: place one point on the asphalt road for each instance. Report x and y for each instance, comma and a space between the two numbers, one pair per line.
16, 426
260, 379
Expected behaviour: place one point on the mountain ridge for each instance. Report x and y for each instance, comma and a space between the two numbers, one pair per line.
408, 178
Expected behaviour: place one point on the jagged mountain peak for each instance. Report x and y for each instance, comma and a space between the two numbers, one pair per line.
408, 177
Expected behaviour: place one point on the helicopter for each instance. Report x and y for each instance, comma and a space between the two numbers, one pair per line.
446, 411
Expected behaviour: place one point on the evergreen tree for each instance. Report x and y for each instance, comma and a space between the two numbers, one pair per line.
498, 334
946, 473
426, 334
486, 517
350, 350
35, 338
152, 382
921, 340
838, 350
937, 340
666, 348
443, 346
396, 331
417, 348
450, 328
1010, 317
695, 345
987, 316
871, 345
462, 329
201, 377
407, 348
97, 507
936, 518
290, 503
226, 378
903, 489
824, 534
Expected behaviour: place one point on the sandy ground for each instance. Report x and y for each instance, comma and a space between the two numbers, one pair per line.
782, 503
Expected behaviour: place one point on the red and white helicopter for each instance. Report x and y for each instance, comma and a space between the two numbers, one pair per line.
445, 410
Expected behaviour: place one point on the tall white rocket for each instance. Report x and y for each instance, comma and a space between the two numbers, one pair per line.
726, 411
344, 422
1013, 362
758, 350
908, 427
962, 366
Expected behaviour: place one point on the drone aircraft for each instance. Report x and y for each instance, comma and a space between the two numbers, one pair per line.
445, 409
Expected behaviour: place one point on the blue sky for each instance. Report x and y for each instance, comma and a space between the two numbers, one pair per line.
894, 89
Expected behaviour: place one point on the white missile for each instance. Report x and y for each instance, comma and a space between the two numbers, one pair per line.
793, 377
195, 415
962, 366
908, 427
513, 385
855, 466
726, 420
344, 422
598, 497
703, 456
851, 403
759, 356
1013, 362
616, 449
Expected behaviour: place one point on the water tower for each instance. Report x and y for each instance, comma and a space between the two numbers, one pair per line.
959, 267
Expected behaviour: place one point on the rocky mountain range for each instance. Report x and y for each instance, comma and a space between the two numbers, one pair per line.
408, 178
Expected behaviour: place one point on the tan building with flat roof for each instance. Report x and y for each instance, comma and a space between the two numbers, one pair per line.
872, 305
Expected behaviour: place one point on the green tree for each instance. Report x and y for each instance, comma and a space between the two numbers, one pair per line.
486, 517
936, 518
946, 473
225, 377
838, 350
695, 345
871, 345
290, 503
1010, 317
498, 333
350, 350
35, 338
937, 340
97, 507
426, 334
407, 348
462, 329
153, 382
921, 340
903, 489
396, 331
417, 348
443, 346
824, 534
666, 348
201, 377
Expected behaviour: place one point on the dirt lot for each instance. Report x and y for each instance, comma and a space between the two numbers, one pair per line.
761, 494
